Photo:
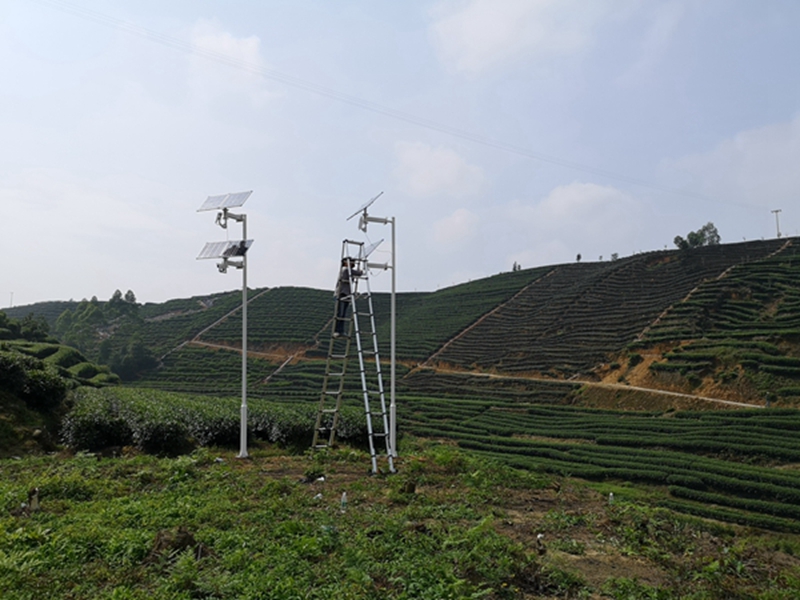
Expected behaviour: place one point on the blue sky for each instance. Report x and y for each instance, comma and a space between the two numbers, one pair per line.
500, 131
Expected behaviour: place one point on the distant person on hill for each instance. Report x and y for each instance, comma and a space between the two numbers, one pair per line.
343, 293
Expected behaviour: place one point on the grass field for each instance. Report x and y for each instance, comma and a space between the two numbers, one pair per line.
450, 525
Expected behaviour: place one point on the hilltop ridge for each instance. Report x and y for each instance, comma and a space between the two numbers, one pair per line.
621, 321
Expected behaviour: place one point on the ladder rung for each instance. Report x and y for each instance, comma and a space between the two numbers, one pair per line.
328, 410
327, 393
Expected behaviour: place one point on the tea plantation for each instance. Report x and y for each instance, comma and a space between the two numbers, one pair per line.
499, 370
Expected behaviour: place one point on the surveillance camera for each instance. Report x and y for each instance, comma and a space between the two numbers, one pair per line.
222, 267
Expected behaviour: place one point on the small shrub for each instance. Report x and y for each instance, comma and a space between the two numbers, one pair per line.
84, 370
694, 379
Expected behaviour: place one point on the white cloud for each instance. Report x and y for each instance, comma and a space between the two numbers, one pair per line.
666, 19
474, 35
756, 167
426, 171
57, 201
211, 40
579, 207
222, 63
576, 218
459, 227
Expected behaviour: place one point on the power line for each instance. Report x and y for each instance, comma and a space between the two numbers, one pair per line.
225, 59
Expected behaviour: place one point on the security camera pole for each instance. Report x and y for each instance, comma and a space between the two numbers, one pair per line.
226, 251
362, 225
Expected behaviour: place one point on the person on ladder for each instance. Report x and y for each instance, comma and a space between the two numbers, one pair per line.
343, 293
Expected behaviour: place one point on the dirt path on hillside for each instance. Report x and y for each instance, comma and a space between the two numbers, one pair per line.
214, 324
287, 357
278, 354
621, 386
611, 386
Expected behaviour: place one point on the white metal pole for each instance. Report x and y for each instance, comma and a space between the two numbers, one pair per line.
392, 403
243, 426
777, 221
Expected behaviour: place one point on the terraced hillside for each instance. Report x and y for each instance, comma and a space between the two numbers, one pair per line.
725, 312
740, 331
725, 465
167, 325
426, 321
580, 314
279, 316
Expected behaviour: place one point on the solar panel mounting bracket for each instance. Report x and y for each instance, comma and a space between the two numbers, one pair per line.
364, 218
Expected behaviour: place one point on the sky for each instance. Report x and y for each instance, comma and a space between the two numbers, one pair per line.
499, 131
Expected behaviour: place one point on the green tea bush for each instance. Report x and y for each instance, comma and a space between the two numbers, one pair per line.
94, 422
65, 357
171, 423
84, 370
30, 379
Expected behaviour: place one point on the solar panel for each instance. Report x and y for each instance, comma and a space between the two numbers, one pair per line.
225, 249
371, 248
225, 201
365, 206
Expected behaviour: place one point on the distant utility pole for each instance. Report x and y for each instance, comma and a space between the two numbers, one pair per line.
11, 303
777, 222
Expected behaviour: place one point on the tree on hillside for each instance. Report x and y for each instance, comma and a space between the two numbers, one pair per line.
9, 328
707, 235
90, 324
32, 328
118, 305
135, 359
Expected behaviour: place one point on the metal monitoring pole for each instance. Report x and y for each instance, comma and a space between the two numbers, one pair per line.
777, 222
363, 221
227, 250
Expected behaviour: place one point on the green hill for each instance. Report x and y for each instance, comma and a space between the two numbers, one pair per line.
50, 311
35, 374
710, 309
529, 369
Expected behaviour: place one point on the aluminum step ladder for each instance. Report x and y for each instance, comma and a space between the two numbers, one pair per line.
354, 320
